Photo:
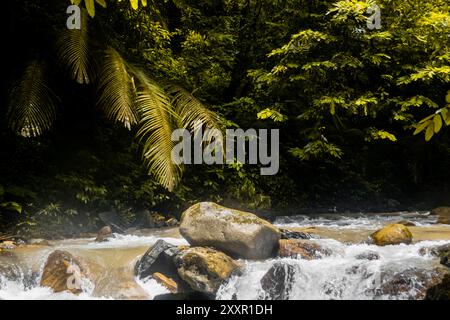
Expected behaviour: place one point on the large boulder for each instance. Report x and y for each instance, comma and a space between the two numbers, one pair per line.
304, 249
277, 282
64, 272
205, 269
391, 235
443, 214
239, 234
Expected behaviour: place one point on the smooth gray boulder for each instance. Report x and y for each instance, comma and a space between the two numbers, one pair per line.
237, 233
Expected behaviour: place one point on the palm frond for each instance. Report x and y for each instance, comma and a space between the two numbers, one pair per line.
156, 124
32, 107
73, 50
117, 90
192, 112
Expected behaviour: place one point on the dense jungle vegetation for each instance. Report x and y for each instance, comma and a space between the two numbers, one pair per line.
86, 115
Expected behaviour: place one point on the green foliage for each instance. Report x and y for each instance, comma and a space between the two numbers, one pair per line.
32, 104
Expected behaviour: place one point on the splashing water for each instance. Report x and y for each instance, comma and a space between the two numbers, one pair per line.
397, 272
344, 275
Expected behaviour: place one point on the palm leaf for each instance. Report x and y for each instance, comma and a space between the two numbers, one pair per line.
156, 124
194, 115
32, 104
73, 51
192, 112
117, 91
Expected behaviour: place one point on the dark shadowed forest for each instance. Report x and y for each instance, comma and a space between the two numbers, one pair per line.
87, 114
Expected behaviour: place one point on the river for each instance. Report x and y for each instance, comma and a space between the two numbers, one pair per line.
342, 275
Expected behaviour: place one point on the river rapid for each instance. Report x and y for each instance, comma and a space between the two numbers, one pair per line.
342, 275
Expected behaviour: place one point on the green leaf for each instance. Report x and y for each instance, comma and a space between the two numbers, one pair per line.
90, 7
134, 4
446, 116
421, 127
430, 132
12, 206
101, 2
447, 98
437, 123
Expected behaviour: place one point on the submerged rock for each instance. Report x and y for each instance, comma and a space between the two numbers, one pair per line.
239, 234
205, 269
277, 282
411, 284
370, 255
443, 214
435, 250
440, 291
305, 249
289, 234
104, 234
391, 235
64, 272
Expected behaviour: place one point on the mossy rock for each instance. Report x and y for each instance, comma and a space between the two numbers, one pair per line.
237, 233
205, 269
392, 234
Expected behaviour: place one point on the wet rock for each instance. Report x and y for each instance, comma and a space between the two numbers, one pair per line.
8, 245
443, 214
370, 255
159, 258
171, 285
117, 223
440, 291
406, 223
104, 234
445, 259
205, 269
277, 282
288, 234
410, 284
237, 233
442, 252
171, 222
64, 272
304, 249
392, 234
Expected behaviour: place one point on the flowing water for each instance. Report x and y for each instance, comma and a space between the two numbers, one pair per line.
400, 272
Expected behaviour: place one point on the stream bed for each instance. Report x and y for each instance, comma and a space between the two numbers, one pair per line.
398, 272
